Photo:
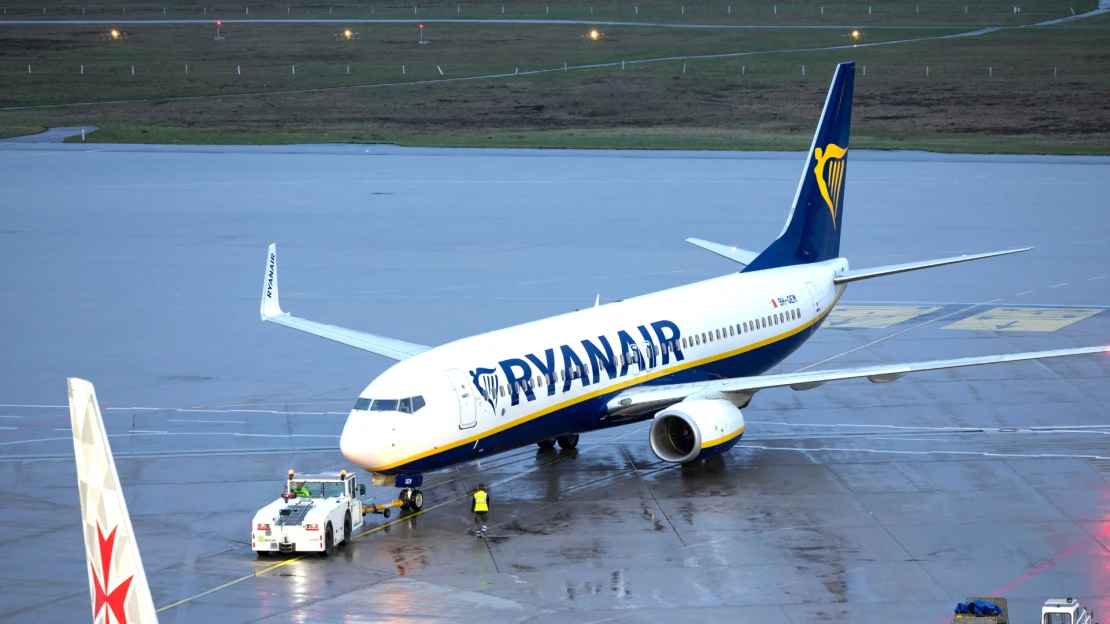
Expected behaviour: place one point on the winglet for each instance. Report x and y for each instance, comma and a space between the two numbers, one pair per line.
117, 581
597, 300
271, 307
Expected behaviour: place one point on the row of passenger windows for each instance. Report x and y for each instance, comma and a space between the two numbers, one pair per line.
652, 351
405, 406
743, 327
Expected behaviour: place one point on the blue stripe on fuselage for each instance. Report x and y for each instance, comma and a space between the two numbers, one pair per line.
586, 415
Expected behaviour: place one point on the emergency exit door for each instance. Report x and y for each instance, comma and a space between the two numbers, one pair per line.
464, 390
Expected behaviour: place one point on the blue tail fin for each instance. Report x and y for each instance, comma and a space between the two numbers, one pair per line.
812, 232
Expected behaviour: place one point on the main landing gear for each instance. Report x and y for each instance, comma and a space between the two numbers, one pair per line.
412, 499
565, 442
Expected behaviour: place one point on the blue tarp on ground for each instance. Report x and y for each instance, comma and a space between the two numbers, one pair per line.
978, 607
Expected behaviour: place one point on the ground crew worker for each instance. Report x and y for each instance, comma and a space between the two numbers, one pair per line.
480, 506
302, 492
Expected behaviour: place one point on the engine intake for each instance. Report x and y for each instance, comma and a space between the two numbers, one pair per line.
693, 430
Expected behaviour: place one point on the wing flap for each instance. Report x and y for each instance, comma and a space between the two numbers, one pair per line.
634, 400
270, 310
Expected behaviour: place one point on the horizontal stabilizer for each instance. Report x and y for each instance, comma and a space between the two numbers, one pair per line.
271, 311
891, 269
743, 257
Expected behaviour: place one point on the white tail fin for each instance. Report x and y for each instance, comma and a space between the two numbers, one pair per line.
117, 582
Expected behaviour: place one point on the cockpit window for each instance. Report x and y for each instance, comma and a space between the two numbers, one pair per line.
384, 405
405, 406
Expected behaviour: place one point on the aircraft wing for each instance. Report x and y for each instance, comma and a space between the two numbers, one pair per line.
648, 399
271, 311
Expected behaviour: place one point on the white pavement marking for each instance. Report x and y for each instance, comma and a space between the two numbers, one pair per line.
834, 449
1091, 279
185, 410
1, 416
184, 433
8, 428
230, 422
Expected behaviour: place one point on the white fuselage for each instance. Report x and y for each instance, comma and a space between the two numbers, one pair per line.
511, 387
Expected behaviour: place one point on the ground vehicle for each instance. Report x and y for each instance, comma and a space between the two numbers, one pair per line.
1065, 611
315, 513
1054, 611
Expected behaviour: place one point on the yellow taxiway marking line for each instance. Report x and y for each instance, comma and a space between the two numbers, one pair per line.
875, 316
373, 530
230, 583
1023, 319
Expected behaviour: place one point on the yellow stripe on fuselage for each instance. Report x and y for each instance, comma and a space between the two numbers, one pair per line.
611, 388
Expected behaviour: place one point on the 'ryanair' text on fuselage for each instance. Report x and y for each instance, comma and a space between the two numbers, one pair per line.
600, 355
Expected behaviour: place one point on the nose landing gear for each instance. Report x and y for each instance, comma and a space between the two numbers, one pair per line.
412, 499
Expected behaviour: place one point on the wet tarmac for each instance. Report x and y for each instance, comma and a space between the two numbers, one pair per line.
139, 268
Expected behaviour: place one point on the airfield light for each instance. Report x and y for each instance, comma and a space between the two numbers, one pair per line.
347, 33
855, 34
115, 34
594, 35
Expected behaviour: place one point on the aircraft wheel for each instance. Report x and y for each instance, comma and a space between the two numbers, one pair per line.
406, 499
417, 500
327, 541
568, 441
546, 444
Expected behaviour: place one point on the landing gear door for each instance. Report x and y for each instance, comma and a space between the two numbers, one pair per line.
465, 391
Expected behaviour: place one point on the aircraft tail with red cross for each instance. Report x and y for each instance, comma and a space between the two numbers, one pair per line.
117, 582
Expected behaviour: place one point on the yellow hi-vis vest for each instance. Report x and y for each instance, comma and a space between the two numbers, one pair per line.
480, 501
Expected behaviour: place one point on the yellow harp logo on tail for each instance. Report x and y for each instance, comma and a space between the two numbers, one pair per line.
830, 175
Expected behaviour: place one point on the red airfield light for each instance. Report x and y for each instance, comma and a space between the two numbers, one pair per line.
422, 26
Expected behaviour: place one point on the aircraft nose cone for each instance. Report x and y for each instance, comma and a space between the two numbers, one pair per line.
358, 440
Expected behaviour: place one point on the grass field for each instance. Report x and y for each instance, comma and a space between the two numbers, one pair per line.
1024, 90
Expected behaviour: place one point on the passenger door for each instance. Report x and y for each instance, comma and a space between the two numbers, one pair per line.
464, 390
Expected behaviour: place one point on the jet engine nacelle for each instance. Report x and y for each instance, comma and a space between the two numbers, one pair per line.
693, 430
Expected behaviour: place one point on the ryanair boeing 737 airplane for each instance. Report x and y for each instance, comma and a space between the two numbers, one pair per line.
688, 358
